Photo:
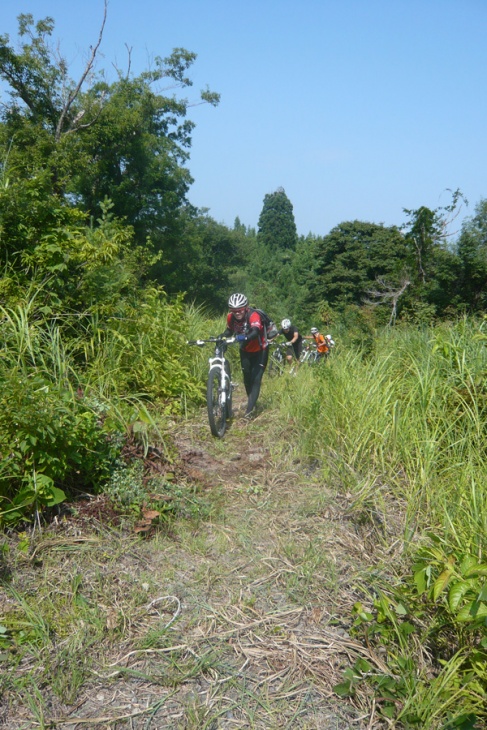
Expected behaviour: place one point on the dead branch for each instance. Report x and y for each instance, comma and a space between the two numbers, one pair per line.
385, 293
89, 66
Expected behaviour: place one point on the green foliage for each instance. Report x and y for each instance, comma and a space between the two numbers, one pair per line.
203, 267
352, 257
67, 146
277, 229
158, 499
66, 401
401, 432
48, 439
472, 252
433, 267
400, 627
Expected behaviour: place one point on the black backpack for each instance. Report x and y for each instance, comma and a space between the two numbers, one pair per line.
270, 329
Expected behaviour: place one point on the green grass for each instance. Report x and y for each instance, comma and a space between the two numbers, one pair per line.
400, 431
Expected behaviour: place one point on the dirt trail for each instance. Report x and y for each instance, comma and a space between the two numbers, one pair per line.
243, 619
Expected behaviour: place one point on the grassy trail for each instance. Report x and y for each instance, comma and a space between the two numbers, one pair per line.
235, 620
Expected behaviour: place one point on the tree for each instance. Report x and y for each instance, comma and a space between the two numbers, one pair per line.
472, 252
350, 259
74, 144
433, 264
204, 262
276, 227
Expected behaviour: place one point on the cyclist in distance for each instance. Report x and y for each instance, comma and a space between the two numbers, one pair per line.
323, 343
248, 328
293, 338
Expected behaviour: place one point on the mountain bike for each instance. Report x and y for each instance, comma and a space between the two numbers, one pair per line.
219, 386
277, 359
309, 355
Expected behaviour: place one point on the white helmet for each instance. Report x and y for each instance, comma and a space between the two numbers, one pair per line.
328, 337
237, 301
285, 324
314, 330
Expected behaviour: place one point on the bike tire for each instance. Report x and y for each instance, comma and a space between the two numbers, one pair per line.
229, 390
217, 412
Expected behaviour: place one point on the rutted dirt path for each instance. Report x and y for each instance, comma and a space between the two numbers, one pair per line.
240, 621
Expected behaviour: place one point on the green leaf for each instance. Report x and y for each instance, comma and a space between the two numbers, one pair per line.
406, 628
344, 689
472, 610
477, 569
419, 578
457, 591
362, 666
467, 563
56, 497
441, 582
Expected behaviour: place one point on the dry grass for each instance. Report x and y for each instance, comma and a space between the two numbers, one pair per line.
235, 621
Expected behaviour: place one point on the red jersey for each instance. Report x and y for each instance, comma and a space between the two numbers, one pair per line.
242, 328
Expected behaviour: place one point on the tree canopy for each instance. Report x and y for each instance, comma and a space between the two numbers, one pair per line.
67, 147
277, 228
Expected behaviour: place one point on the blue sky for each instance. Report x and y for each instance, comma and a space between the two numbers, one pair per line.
357, 108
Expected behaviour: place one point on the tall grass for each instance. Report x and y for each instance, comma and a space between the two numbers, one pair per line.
73, 388
402, 427
411, 413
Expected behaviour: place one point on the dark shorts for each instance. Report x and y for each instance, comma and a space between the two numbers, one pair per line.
295, 349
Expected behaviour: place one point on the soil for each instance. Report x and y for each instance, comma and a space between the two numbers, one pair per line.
238, 619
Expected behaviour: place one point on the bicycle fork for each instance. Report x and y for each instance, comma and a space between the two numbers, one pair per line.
225, 384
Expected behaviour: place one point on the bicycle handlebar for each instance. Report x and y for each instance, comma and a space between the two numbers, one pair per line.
279, 344
200, 343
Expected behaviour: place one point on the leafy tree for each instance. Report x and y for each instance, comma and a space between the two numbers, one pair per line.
204, 261
277, 228
433, 264
352, 257
68, 145
472, 252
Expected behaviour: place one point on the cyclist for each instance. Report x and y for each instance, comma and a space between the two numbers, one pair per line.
323, 344
294, 339
247, 326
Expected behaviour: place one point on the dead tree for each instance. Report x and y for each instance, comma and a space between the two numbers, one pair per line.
386, 293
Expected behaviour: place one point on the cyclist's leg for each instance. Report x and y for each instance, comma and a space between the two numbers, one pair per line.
258, 366
298, 349
246, 370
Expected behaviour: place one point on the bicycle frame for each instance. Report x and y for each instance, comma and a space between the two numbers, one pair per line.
277, 358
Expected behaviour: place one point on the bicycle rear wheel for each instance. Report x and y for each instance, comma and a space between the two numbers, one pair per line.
217, 408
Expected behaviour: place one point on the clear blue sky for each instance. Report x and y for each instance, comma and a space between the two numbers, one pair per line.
357, 108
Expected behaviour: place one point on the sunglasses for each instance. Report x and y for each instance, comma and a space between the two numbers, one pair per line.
238, 311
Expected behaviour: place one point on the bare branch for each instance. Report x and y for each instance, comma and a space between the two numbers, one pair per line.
387, 292
118, 70
76, 128
89, 66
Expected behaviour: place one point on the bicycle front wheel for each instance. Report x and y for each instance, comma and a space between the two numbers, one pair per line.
228, 386
216, 402
276, 365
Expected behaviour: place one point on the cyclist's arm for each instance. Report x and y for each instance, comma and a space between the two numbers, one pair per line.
253, 333
255, 327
